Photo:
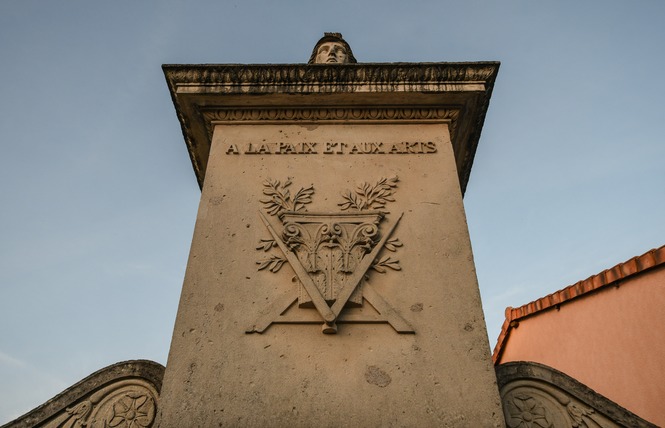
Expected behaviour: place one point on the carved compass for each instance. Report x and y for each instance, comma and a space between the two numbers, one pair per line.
331, 254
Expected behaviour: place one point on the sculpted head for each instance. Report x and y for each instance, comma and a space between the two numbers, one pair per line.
332, 49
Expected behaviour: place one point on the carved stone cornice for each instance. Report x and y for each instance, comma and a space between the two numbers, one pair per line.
378, 77
121, 395
456, 93
533, 394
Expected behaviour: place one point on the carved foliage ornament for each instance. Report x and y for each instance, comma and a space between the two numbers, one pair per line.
330, 253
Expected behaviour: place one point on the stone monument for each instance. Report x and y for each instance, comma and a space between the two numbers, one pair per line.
331, 280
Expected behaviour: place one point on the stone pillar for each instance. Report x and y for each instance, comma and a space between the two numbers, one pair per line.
331, 280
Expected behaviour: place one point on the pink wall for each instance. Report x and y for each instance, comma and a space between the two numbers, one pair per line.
612, 340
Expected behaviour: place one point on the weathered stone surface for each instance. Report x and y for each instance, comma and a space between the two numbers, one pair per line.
330, 279
536, 395
122, 395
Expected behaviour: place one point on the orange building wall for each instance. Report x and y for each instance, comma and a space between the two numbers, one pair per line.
612, 340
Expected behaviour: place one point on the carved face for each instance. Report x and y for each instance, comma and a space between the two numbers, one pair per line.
331, 52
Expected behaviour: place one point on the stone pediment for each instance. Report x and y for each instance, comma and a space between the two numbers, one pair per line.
454, 93
534, 394
121, 395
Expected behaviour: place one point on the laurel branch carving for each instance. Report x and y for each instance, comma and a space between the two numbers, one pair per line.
279, 197
370, 197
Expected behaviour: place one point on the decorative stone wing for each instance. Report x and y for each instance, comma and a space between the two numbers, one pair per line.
122, 395
535, 395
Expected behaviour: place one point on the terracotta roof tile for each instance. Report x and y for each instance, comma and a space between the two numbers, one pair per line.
648, 260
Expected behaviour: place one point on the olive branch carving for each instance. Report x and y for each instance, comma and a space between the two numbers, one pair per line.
370, 197
273, 264
279, 197
387, 261
266, 244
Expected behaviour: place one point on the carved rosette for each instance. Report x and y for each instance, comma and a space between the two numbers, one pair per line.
529, 410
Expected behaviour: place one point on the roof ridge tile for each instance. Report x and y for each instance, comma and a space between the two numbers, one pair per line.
652, 258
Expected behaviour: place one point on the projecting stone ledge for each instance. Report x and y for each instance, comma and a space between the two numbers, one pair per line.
121, 395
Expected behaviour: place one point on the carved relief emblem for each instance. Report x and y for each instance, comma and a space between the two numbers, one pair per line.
331, 254
524, 411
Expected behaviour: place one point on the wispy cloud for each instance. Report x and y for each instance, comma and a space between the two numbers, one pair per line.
8, 360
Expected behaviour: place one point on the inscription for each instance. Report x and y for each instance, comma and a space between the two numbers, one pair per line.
334, 148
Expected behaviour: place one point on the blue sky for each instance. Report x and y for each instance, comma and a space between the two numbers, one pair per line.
99, 198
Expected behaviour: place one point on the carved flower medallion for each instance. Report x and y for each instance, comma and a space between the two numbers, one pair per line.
526, 412
133, 410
